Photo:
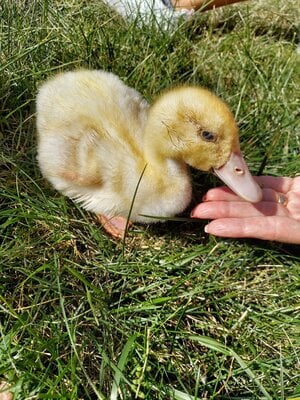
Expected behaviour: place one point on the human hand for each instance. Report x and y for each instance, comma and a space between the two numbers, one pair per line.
276, 217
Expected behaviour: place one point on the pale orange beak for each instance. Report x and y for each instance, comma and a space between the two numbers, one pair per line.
236, 175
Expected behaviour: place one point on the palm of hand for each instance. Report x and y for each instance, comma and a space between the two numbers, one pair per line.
276, 217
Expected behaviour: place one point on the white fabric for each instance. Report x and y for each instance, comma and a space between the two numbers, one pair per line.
148, 11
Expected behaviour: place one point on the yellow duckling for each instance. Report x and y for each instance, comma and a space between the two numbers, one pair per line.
100, 144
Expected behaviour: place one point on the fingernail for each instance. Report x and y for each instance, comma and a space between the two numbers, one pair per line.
206, 229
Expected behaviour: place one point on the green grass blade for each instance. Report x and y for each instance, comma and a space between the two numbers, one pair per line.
121, 366
219, 347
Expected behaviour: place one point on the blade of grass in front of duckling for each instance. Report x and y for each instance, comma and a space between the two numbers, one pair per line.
179, 219
131, 207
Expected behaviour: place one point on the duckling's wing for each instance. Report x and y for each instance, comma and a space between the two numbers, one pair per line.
84, 117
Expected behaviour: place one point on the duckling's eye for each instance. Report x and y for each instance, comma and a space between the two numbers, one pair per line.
208, 136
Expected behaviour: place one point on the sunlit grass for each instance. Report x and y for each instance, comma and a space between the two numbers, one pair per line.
171, 313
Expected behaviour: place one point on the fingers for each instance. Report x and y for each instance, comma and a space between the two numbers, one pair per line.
281, 229
279, 204
269, 184
279, 183
277, 217
236, 209
221, 193
225, 194
293, 205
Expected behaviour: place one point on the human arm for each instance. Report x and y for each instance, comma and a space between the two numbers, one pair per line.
201, 4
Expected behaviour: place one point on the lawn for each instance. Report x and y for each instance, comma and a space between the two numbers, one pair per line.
170, 312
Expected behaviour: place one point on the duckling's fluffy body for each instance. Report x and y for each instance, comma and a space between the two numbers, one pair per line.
101, 144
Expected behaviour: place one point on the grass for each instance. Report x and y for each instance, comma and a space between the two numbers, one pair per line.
171, 313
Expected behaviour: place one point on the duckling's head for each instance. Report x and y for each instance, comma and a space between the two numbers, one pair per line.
200, 130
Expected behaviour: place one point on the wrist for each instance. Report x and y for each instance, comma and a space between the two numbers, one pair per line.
184, 4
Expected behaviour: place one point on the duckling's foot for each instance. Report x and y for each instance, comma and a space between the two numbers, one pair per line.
115, 226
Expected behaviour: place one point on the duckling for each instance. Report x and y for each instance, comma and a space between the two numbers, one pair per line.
103, 146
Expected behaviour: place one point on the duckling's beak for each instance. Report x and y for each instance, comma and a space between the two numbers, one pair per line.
236, 175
